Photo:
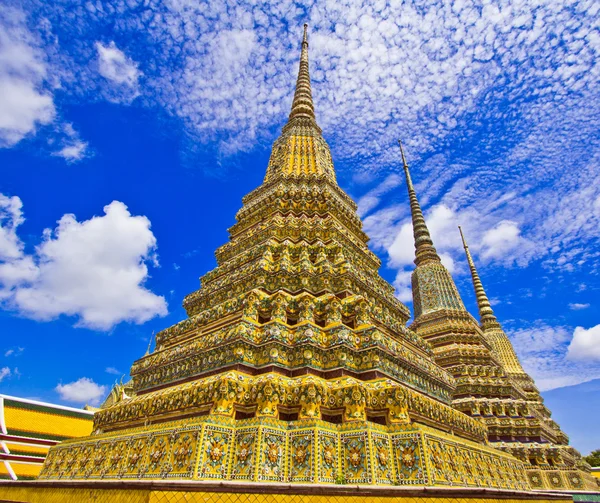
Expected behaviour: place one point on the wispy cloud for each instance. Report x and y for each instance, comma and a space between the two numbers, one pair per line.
228, 65
28, 83
373, 198
499, 243
14, 352
4, 373
73, 149
73, 152
576, 306
120, 70
484, 97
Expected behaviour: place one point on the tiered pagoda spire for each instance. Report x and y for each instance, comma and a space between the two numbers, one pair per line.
302, 106
554, 442
496, 336
433, 287
301, 150
486, 314
424, 249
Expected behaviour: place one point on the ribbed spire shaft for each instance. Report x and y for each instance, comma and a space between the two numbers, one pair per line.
302, 106
424, 249
301, 150
486, 313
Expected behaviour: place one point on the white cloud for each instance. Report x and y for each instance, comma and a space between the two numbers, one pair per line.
94, 270
83, 391
23, 107
25, 101
115, 66
112, 370
576, 306
73, 149
505, 240
15, 266
73, 152
403, 286
448, 262
382, 225
27, 84
4, 373
585, 344
442, 223
402, 249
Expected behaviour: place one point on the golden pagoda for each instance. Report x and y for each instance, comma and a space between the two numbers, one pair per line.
491, 384
519, 424
295, 374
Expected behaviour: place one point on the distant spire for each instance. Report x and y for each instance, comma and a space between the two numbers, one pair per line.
149, 344
486, 314
302, 106
424, 249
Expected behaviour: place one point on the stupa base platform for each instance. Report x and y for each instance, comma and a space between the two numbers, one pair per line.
270, 450
175, 491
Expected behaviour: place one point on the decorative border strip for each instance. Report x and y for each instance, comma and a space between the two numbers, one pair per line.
300, 489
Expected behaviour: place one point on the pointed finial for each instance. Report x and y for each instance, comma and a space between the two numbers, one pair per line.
486, 313
149, 343
424, 249
464, 242
404, 163
302, 106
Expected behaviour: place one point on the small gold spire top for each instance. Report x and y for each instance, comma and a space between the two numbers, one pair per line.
149, 344
424, 249
303, 106
486, 313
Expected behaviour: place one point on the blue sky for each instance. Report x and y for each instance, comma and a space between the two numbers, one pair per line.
129, 132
